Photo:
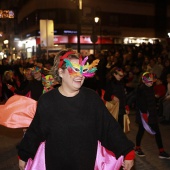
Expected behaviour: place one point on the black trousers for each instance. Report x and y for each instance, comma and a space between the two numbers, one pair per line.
141, 131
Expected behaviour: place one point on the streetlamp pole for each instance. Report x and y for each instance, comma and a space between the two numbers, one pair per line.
79, 8
95, 38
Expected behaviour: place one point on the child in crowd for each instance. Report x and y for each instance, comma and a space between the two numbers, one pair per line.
115, 90
146, 115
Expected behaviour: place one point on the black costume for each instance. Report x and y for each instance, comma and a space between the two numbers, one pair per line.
35, 87
146, 103
116, 88
71, 127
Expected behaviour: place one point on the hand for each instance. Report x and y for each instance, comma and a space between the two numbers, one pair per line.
116, 99
9, 86
24, 130
127, 165
157, 96
22, 164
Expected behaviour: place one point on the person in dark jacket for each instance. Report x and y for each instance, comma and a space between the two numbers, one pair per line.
9, 83
34, 87
146, 115
72, 119
115, 90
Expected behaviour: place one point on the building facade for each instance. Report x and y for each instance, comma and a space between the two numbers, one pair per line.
120, 21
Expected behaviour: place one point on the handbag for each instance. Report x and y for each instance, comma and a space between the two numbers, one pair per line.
126, 122
113, 108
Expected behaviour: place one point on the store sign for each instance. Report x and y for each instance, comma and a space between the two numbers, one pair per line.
7, 14
60, 39
70, 32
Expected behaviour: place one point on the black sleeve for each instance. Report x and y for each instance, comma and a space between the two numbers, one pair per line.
35, 134
141, 103
24, 91
110, 133
108, 92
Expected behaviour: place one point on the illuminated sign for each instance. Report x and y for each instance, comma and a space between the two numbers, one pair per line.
6, 14
70, 32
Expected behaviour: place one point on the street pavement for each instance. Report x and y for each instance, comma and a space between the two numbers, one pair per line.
9, 138
149, 147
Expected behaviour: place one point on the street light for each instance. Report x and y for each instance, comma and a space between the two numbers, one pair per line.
94, 37
98, 20
6, 43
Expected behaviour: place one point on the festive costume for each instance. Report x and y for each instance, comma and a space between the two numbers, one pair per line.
74, 115
146, 115
105, 160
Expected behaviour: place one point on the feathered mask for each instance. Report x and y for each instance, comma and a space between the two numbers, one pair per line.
36, 69
81, 68
48, 82
87, 70
147, 77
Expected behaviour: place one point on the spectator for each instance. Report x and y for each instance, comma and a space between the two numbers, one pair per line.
9, 84
35, 87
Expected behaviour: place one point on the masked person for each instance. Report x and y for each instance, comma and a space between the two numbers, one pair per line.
34, 88
71, 119
147, 116
115, 90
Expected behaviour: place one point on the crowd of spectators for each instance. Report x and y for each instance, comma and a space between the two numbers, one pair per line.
153, 58
134, 60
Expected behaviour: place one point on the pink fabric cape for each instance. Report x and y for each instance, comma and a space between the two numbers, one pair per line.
105, 159
39, 160
17, 112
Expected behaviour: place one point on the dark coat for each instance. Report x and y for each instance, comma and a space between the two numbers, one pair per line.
116, 88
35, 87
145, 102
